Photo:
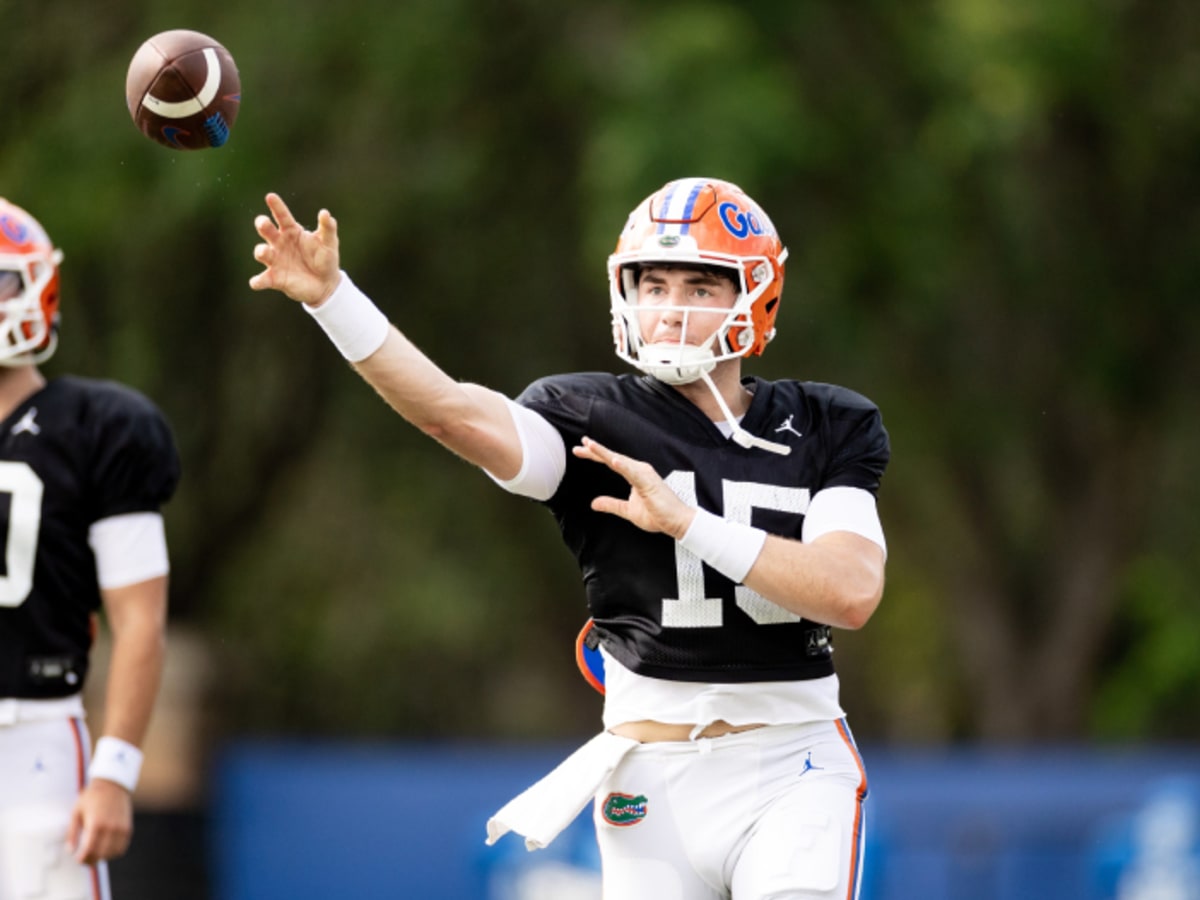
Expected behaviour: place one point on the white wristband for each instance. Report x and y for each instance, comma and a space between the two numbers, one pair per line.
116, 760
354, 324
729, 547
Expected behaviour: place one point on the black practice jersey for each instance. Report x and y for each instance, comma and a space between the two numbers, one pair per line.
658, 609
75, 452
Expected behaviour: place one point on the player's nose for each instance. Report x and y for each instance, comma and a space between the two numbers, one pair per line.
671, 314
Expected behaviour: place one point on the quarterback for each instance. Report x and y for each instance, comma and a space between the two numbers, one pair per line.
85, 466
724, 525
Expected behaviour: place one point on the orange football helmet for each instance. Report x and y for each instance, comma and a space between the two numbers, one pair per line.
700, 222
28, 288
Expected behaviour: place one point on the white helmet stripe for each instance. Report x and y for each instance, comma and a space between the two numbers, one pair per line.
678, 204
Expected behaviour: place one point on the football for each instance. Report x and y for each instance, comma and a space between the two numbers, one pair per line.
183, 90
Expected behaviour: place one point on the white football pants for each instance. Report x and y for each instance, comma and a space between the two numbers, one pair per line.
42, 770
774, 813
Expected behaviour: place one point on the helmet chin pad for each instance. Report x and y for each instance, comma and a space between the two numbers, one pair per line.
675, 363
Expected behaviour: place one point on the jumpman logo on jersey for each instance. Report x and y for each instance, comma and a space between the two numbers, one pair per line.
787, 426
808, 765
26, 424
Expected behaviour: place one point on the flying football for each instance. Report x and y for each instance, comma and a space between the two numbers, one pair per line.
183, 90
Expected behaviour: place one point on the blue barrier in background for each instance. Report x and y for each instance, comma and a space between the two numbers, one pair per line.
396, 821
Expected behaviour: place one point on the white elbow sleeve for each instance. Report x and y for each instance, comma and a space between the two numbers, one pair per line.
844, 509
543, 455
129, 549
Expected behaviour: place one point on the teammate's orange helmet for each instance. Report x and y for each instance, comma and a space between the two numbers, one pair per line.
28, 288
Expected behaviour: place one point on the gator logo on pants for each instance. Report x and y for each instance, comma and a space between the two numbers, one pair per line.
624, 809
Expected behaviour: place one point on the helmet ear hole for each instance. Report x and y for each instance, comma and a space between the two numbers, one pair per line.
737, 340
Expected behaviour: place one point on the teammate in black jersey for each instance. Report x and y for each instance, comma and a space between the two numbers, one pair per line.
723, 526
84, 468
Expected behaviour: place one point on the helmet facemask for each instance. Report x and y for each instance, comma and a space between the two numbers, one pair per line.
28, 289
28, 330
680, 362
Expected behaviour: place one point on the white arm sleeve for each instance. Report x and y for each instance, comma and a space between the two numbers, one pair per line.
543, 455
129, 548
843, 509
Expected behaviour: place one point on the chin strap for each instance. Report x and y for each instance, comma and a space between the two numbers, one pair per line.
741, 436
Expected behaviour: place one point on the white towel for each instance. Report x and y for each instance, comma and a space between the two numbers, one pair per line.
550, 805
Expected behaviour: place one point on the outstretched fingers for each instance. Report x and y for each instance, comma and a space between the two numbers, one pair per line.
589, 449
614, 506
640, 475
272, 234
596, 452
327, 234
651, 505
279, 210
266, 229
263, 280
298, 262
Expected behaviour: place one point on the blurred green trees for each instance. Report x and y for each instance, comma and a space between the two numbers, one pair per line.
992, 214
